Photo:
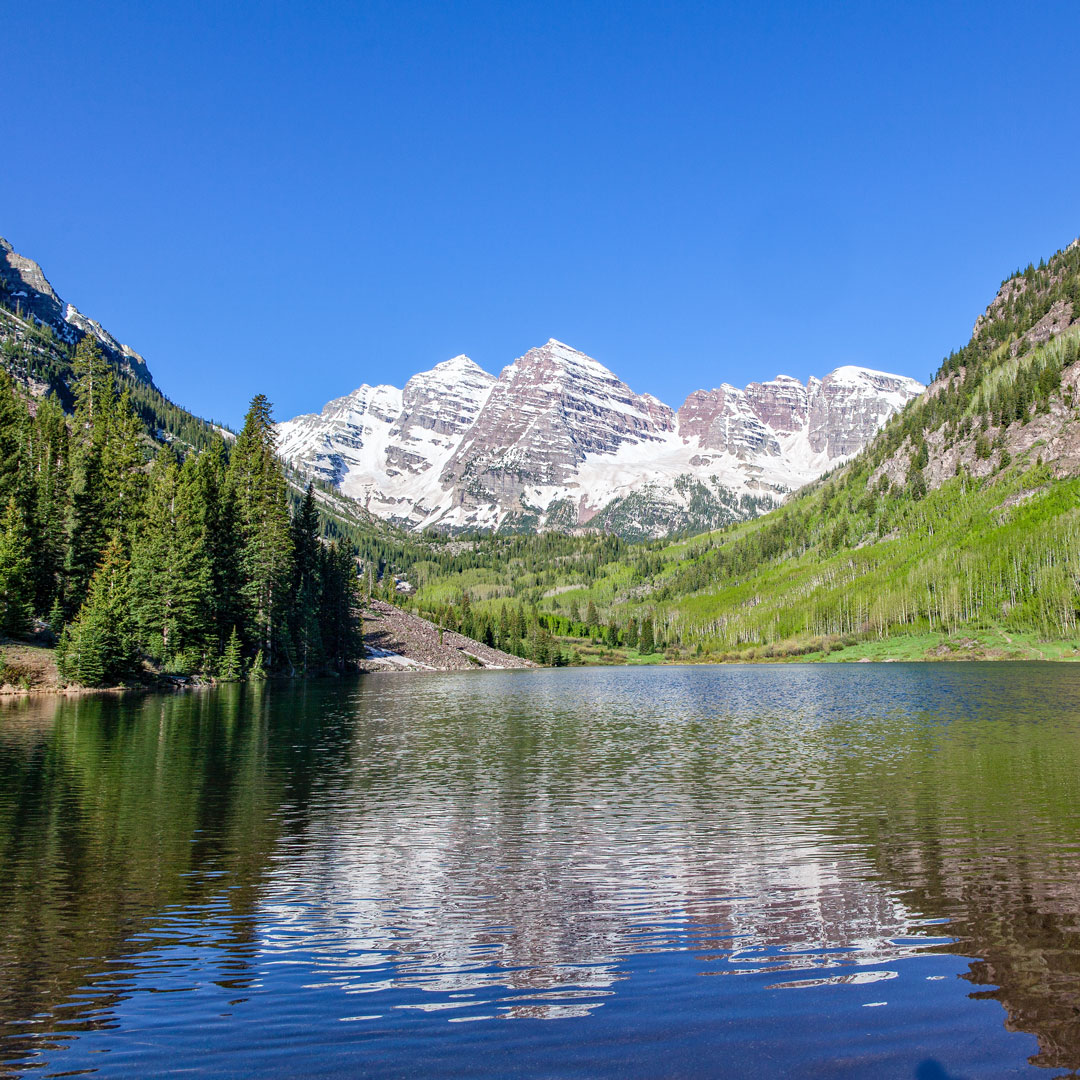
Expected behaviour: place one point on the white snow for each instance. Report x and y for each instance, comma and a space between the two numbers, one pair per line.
408, 454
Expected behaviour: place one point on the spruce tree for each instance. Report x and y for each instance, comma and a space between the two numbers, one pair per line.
16, 576
232, 660
339, 624
257, 484
306, 596
646, 645
85, 526
214, 502
122, 463
632, 634
49, 450
13, 423
99, 647
170, 572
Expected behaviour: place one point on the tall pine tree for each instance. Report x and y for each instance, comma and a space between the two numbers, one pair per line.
257, 484
170, 573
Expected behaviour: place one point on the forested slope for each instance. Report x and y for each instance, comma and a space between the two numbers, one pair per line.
961, 518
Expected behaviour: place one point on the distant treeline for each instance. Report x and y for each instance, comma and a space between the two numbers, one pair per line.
129, 553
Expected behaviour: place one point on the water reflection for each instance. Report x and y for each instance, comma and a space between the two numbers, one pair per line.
434, 850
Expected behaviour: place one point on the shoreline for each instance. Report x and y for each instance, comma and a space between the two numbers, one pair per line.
36, 663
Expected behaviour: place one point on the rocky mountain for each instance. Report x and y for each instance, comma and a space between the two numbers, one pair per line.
25, 290
559, 441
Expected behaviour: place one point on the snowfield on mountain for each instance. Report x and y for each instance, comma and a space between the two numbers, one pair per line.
559, 441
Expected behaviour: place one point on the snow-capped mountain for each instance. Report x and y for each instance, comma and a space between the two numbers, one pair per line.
559, 441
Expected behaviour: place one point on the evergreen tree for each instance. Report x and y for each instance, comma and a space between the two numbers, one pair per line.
306, 597
339, 622
170, 573
646, 644
257, 484
99, 648
258, 668
49, 474
232, 660
16, 577
122, 462
93, 389
632, 634
86, 526
213, 501
13, 422
592, 620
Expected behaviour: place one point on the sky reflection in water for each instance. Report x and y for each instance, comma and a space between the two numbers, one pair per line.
875, 870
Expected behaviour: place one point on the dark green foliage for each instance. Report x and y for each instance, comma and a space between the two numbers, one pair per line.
232, 660
257, 486
646, 639
171, 574
16, 577
100, 647
142, 555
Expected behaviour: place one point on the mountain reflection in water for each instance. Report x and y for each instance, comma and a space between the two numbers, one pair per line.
406, 851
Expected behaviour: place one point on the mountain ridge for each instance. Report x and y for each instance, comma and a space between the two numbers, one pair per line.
24, 286
557, 440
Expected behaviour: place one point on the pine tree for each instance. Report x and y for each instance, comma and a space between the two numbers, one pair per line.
232, 660
16, 577
170, 574
306, 591
100, 647
258, 668
122, 463
257, 484
646, 645
13, 423
592, 620
632, 634
49, 448
214, 503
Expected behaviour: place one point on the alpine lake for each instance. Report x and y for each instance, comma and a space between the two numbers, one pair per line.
740, 871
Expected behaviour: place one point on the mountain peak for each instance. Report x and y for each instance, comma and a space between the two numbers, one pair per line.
460, 364
558, 437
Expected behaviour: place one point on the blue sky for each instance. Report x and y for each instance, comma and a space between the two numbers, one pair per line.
297, 198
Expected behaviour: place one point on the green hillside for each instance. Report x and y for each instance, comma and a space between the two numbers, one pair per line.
957, 530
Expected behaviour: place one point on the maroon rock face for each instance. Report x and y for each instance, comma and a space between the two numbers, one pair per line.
547, 411
723, 419
782, 404
838, 415
559, 435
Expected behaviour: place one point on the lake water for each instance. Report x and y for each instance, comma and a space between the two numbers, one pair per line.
766, 871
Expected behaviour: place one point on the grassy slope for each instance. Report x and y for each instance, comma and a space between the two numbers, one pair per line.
984, 564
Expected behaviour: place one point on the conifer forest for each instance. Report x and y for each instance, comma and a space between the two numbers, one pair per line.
137, 557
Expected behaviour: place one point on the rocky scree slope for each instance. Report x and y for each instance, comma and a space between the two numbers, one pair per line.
559, 441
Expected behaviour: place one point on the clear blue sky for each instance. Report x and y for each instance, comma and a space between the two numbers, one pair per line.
296, 198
